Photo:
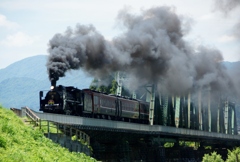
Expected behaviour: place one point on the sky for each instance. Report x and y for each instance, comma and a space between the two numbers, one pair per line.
27, 26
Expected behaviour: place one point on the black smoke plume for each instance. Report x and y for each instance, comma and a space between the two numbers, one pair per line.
151, 50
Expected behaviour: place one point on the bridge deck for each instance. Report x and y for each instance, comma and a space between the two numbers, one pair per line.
118, 126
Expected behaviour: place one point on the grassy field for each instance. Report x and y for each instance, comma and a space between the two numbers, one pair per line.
20, 142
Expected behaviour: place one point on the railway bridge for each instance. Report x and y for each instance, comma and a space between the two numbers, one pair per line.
141, 141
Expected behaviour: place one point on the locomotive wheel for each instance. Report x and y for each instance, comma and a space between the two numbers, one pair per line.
68, 109
103, 117
68, 112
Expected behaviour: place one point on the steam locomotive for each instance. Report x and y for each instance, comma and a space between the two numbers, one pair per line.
89, 103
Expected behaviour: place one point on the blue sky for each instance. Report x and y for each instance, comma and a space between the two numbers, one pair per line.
27, 26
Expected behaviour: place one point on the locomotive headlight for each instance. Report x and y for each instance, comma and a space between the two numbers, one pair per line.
52, 87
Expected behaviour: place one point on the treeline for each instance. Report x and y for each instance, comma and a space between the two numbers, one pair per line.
108, 85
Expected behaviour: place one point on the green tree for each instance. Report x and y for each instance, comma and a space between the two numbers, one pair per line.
214, 157
104, 89
114, 87
94, 84
97, 86
109, 89
168, 144
233, 156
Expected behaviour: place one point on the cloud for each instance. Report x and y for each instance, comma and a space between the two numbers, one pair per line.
227, 5
208, 16
226, 38
19, 39
8, 24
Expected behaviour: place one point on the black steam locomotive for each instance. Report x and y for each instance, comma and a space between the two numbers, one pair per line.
89, 103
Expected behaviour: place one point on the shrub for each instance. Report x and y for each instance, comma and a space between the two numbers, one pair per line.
233, 155
214, 157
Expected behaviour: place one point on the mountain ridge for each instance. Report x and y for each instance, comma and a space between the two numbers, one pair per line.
24, 68
21, 82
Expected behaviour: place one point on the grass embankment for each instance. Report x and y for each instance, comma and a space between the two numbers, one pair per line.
19, 142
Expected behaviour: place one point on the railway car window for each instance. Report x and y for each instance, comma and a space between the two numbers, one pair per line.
102, 102
113, 103
142, 108
125, 105
88, 102
96, 100
136, 106
107, 102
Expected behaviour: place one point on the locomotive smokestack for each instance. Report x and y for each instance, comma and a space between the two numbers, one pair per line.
53, 84
53, 77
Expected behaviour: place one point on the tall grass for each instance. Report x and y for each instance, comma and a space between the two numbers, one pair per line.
19, 142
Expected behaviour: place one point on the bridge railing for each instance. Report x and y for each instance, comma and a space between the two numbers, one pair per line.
30, 114
77, 134
18, 112
64, 129
55, 129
